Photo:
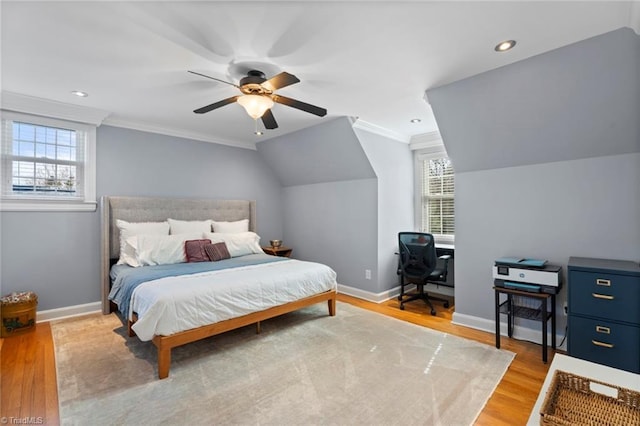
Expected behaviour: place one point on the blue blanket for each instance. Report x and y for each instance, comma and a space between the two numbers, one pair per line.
125, 278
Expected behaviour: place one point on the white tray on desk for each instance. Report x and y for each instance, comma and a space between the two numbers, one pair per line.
586, 369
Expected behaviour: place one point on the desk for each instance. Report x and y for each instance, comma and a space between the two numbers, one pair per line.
582, 368
512, 310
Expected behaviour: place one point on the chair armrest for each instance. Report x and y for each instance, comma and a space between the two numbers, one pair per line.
445, 257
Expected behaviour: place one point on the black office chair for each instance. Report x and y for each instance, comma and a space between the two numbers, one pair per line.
418, 264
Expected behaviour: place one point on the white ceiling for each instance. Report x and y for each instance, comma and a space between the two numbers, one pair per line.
371, 60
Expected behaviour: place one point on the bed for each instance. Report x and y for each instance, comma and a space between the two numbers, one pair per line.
173, 305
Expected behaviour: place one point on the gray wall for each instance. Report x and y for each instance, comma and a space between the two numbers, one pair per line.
547, 162
329, 199
145, 164
335, 223
327, 152
392, 162
347, 195
578, 101
57, 254
588, 207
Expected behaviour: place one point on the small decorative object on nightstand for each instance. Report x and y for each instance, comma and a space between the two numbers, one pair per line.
275, 243
277, 249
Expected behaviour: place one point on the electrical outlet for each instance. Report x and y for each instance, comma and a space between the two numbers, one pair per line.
367, 274
565, 309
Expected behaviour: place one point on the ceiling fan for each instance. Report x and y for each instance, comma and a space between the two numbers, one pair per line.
258, 96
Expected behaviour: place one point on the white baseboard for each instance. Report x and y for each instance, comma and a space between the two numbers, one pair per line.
391, 293
367, 295
519, 333
68, 312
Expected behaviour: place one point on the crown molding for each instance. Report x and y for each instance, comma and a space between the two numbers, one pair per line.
426, 140
179, 133
53, 109
369, 127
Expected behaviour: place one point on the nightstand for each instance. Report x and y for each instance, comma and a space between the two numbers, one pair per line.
278, 251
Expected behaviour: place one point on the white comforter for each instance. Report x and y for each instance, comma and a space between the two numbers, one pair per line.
169, 305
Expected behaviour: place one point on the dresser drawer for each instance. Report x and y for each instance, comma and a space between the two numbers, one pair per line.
605, 295
616, 345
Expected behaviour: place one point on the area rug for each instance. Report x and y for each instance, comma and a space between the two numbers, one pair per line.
304, 368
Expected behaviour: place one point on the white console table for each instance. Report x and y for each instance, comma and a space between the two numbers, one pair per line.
586, 369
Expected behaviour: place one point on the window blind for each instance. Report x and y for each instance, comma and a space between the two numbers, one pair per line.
438, 190
42, 160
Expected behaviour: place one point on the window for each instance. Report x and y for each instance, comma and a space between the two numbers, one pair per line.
47, 164
436, 199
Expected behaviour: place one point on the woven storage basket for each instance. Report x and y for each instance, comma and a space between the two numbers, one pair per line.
18, 313
570, 401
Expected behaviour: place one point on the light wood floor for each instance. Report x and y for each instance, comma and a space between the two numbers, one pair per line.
28, 374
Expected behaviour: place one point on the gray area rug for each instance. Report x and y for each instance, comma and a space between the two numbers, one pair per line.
358, 367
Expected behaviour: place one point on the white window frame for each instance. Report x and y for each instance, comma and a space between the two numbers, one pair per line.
419, 156
43, 202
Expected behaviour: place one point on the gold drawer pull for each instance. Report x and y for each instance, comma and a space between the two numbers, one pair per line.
602, 296
601, 329
601, 344
600, 281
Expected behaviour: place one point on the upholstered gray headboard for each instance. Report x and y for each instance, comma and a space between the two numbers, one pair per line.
140, 209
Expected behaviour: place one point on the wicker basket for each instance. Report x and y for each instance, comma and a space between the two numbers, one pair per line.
18, 313
570, 401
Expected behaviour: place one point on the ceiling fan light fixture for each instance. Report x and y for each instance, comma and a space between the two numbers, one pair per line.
255, 105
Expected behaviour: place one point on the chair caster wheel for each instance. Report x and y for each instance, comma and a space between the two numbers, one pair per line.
433, 312
446, 304
401, 307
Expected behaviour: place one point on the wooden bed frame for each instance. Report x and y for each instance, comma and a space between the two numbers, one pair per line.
137, 209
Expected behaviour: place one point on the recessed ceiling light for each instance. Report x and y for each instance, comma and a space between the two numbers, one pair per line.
416, 120
80, 94
258, 133
505, 45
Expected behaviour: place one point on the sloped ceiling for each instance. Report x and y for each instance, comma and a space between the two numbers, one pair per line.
327, 152
366, 59
578, 101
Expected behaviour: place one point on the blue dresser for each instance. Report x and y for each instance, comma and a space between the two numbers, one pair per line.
604, 312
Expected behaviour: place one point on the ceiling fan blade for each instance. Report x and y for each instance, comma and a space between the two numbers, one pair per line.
269, 120
213, 78
216, 105
279, 81
320, 112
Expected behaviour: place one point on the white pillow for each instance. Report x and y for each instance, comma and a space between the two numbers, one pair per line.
129, 229
238, 243
231, 227
162, 249
129, 254
189, 226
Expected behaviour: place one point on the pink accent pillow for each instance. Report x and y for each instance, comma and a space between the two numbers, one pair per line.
217, 251
194, 250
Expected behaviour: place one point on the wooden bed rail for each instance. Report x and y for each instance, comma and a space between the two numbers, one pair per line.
166, 343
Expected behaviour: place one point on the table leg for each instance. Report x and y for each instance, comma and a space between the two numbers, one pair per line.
509, 315
544, 330
553, 321
497, 297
